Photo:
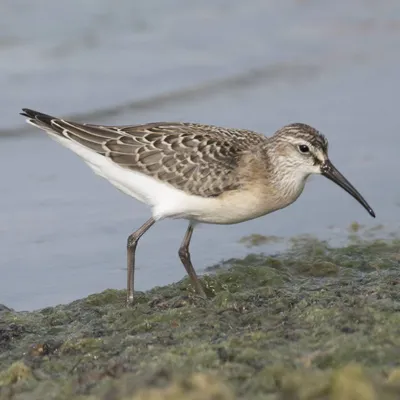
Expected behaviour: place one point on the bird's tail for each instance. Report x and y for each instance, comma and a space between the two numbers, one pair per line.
42, 121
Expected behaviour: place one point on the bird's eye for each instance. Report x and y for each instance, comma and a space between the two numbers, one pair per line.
304, 148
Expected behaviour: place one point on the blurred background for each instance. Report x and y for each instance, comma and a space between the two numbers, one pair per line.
255, 64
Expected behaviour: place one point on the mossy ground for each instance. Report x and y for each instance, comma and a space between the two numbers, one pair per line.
313, 323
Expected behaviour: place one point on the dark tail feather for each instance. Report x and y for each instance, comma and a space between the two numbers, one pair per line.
67, 130
37, 116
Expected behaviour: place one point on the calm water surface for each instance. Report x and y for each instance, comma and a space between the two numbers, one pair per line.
255, 64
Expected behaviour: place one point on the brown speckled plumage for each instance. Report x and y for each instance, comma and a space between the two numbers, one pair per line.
199, 159
203, 173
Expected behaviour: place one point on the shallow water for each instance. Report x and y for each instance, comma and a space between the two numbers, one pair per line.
257, 65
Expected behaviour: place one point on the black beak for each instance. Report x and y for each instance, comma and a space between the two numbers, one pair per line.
329, 171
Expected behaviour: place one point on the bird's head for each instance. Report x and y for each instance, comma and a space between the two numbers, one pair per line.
300, 150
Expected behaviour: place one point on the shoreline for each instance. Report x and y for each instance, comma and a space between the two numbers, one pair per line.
309, 323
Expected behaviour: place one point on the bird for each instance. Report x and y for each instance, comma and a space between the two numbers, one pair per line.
198, 172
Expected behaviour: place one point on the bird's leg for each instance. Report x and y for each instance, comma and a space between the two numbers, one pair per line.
131, 250
184, 255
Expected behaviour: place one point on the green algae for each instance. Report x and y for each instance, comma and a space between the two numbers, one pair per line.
17, 372
312, 323
257, 240
196, 387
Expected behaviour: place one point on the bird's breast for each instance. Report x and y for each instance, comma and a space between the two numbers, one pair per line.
237, 206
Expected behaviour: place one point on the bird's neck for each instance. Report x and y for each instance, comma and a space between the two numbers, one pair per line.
291, 184
288, 181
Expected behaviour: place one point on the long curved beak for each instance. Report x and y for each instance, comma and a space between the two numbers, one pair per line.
329, 171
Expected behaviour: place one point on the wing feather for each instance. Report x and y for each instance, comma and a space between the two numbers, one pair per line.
200, 159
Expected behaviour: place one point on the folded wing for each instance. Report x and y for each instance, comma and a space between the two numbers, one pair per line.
200, 159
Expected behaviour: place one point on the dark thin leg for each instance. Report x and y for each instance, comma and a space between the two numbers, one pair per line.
184, 255
131, 249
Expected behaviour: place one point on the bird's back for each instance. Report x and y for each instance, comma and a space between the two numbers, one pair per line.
199, 159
